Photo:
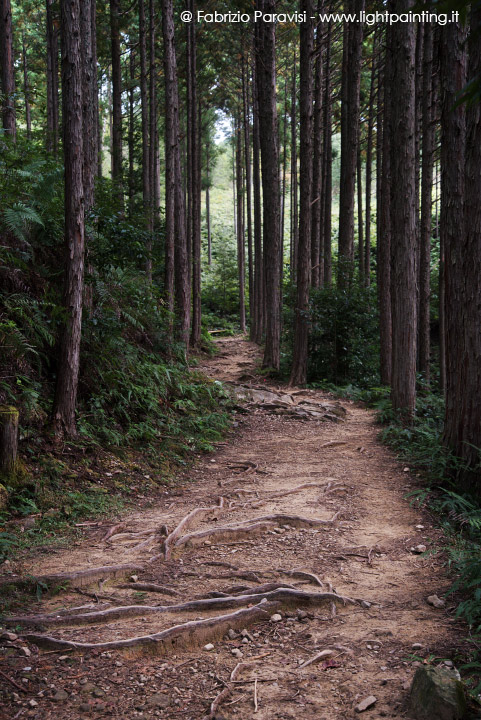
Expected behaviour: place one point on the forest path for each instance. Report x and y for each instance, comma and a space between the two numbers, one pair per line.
349, 528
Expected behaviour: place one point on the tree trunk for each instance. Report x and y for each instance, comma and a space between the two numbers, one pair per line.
8, 70
256, 182
383, 266
360, 226
370, 128
301, 326
97, 126
426, 203
196, 194
144, 109
326, 195
403, 218
26, 90
8, 441
269, 144
350, 86
467, 436
207, 203
294, 204
116, 100
316, 251
248, 184
452, 53
240, 226
69, 359
130, 140
176, 239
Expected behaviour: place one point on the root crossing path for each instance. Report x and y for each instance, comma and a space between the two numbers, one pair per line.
278, 579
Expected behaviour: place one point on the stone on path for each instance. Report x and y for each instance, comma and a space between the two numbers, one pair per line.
437, 695
365, 704
435, 601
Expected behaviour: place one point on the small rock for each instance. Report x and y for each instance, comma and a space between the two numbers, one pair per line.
449, 663
418, 549
365, 704
417, 646
32, 703
143, 678
232, 634
237, 653
437, 695
276, 618
83, 681
134, 578
406, 469
245, 640
84, 707
159, 701
98, 692
365, 604
419, 527
8, 636
60, 696
208, 647
435, 601
301, 614
24, 651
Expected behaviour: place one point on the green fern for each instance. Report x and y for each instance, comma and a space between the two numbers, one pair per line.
19, 218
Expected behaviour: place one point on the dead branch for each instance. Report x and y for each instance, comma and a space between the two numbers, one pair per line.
316, 658
227, 690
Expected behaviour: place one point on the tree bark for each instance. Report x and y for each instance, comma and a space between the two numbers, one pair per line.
326, 195
144, 110
403, 218
248, 185
452, 53
176, 238
360, 225
116, 100
52, 82
240, 225
8, 440
426, 204
301, 326
350, 87
8, 70
294, 204
196, 193
256, 182
317, 253
369, 145
69, 359
269, 144
26, 89
384, 225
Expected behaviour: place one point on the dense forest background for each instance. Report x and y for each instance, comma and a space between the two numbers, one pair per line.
315, 184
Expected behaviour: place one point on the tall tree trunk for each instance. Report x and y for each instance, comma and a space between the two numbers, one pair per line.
269, 144
26, 89
131, 184
383, 266
326, 195
69, 359
97, 126
294, 204
452, 52
256, 182
196, 190
176, 239
317, 253
360, 225
116, 100
301, 326
403, 218
144, 109
370, 128
248, 184
426, 204
240, 225
350, 86
465, 440
8, 70
207, 203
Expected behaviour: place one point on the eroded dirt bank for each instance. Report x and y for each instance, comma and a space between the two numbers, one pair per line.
303, 517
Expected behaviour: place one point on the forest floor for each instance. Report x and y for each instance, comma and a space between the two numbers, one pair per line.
274, 572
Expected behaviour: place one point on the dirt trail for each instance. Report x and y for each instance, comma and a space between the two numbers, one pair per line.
361, 550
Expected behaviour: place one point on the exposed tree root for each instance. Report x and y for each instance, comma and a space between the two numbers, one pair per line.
113, 531
171, 540
280, 594
223, 533
302, 575
150, 587
244, 468
185, 635
293, 520
332, 443
79, 578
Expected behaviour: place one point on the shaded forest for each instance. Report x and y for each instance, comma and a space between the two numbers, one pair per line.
314, 184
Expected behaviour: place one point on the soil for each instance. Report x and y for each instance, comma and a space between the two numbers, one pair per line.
364, 554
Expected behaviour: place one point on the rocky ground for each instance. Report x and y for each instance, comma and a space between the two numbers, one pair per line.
284, 576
